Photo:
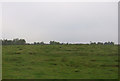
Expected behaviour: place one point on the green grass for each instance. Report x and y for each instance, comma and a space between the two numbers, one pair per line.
60, 62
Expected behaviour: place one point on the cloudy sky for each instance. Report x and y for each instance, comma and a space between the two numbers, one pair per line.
61, 21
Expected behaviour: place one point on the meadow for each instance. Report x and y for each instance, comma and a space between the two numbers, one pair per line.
60, 61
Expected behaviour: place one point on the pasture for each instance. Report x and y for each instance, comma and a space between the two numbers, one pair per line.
60, 61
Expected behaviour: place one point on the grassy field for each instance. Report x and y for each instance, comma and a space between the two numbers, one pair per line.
60, 61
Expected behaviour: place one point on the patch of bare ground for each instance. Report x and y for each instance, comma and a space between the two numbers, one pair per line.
93, 60
18, 52
31, 53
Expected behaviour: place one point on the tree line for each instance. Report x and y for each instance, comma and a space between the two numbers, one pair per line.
23, 42
13, 42
101, 43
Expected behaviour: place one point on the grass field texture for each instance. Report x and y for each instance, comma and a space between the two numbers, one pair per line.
60, 61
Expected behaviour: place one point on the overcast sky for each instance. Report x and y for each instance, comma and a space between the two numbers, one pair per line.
61, 21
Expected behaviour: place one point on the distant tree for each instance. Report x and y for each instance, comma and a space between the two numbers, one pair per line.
22, 42
92, 43
109, 43
100, 43
42, 43
4, 42
54, 43
61, 43
35, 43
51, 42
14, 42
19, 41
39, 43
67, 43
112, 43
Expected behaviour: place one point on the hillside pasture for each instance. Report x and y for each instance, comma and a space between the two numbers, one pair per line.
60, 61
